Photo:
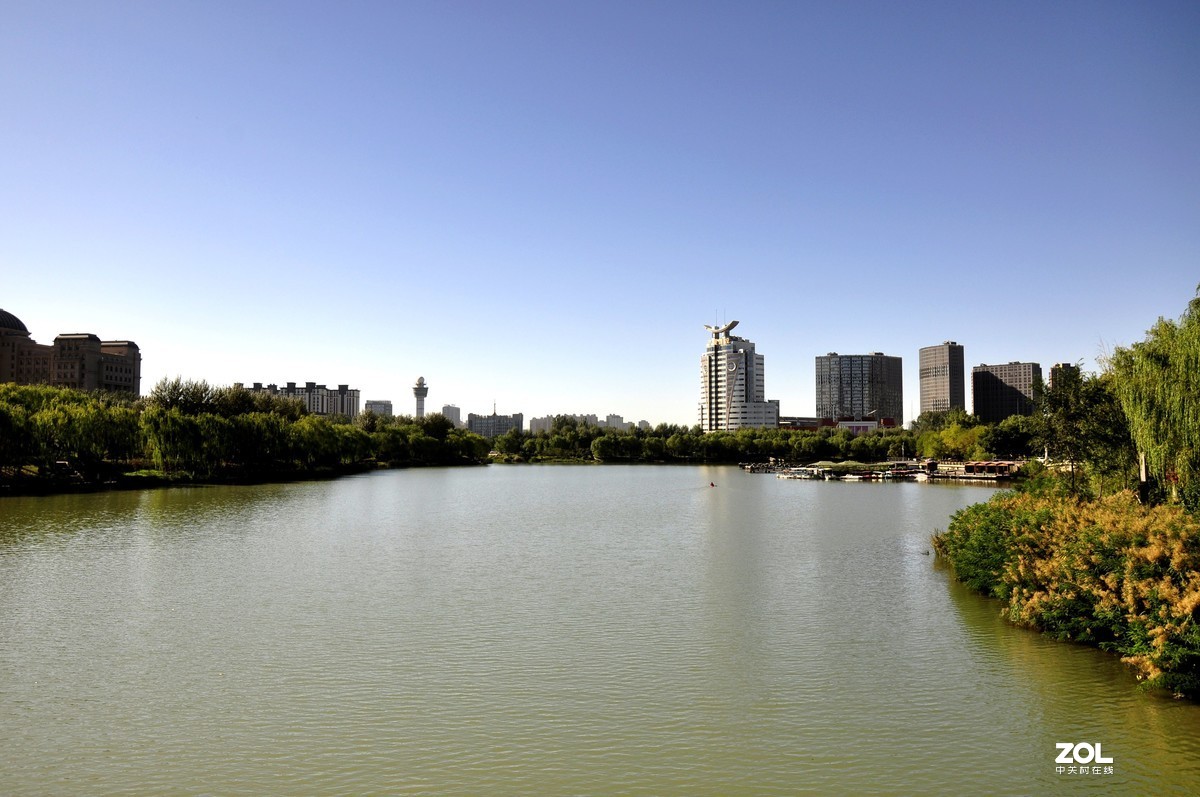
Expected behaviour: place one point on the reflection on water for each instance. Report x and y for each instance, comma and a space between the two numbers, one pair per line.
538, 630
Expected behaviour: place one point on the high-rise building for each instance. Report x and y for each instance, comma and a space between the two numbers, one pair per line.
998, 391
420, 391
943, 380
732, 385
860, 387
81, 361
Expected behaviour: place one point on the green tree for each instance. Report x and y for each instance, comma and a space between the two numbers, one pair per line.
172, 438
436, 425
315, 441
354, 444
1109, 451
1012, 438
259, 440
681, 445
1157, 382
391, 445
368, 421
654, 449
188, 396
606, 448
807, 447
510, 442
1060, 419
937, 420
466, 446
16, 438
216, 443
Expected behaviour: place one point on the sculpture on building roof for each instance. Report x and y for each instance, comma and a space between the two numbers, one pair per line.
719, 331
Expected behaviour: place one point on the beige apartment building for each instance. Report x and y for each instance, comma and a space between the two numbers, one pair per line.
942, 378
79, 360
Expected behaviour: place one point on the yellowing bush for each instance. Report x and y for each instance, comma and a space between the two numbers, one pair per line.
1110, 573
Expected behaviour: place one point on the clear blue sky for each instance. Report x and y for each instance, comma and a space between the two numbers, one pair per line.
540, 204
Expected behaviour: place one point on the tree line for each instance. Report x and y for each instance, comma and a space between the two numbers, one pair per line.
191, 429
571, 440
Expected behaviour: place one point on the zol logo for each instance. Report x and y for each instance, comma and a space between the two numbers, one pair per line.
1081, 753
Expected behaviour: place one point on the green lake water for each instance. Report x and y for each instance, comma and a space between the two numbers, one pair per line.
539, 630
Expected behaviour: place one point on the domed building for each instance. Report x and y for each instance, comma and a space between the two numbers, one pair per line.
79, 360
21, 359
10, 323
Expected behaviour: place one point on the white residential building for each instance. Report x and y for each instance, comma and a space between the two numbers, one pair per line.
732, 384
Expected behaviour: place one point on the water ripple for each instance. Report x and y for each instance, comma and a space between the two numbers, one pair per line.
537, 631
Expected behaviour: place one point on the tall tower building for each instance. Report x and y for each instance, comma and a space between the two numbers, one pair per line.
860, 387
420, 391
998, 391
943, 383
732, 384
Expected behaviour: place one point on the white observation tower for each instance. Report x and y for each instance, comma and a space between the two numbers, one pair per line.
420, 391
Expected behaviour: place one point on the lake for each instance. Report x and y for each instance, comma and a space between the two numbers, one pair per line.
540, 630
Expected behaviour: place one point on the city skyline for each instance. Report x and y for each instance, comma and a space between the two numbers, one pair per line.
845, 384
538, 205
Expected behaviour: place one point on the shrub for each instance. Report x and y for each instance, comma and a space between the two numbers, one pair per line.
1110, 573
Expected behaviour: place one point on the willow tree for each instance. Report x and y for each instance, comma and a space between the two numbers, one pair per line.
1158, 384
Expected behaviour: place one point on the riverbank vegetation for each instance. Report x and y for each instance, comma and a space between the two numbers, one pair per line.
56, 438
1111, 572
1099, 550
